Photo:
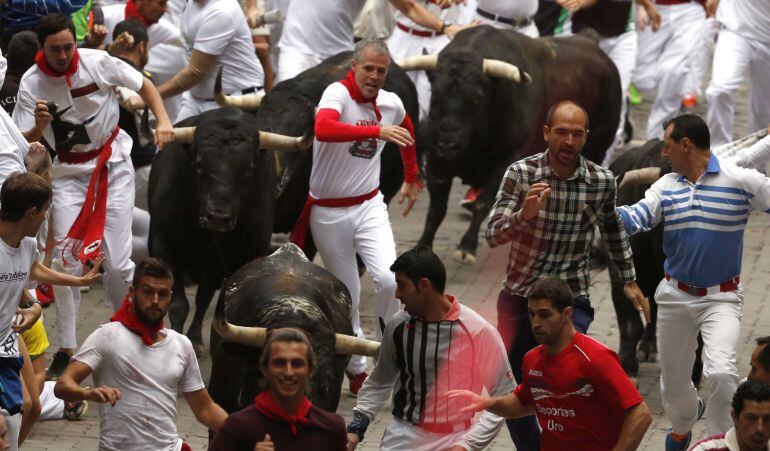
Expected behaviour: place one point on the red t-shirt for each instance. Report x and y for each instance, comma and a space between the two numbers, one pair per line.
580, 395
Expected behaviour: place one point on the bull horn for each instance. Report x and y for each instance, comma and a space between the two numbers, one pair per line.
257, 336
184, 134
422, 62
245, 102
275, 141
497, 68
643, 176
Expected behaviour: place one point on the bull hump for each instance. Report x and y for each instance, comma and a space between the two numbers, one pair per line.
290, 249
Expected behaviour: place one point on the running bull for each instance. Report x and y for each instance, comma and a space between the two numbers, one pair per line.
282, 290
491, 93
290, 109
211, 200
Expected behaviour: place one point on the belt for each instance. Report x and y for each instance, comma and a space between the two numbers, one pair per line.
517, 22
729, 285
672, 2
445, 428
242, 92
420, 33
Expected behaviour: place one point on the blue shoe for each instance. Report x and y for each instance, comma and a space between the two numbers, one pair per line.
676, 445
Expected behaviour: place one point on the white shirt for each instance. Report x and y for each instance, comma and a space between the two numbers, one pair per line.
451, 14
15, 265
89, 107
148, 378
161, 32
748, 18
13, 146
218, 27
349, 169
321, 28
509, 9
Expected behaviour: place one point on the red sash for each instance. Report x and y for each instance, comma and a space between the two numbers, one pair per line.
127, 317
87, 231
302, 225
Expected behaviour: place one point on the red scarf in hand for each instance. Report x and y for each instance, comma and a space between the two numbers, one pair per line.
132, 13
269, 408
43, 65
127, 317
350, 82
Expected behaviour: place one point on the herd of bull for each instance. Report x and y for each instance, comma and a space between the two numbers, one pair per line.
218, 194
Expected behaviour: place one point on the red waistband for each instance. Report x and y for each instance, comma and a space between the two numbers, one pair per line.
412, 31
82, 157
446, 428
672, 2
729, 285
303, 222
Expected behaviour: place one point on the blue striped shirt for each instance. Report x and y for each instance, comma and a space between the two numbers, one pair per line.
703, 223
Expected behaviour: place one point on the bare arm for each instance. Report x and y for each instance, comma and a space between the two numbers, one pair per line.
42, 273
638, 419
425, 18
68, 386
206, 411
164, 132
508, 406
30, 387
199, 66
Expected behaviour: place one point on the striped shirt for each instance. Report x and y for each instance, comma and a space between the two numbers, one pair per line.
18, 15
722, 442
556, 242
703, 222
420, 361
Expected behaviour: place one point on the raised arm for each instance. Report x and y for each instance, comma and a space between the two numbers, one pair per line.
514, 207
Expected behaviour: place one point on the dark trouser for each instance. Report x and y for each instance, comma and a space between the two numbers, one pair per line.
516, 330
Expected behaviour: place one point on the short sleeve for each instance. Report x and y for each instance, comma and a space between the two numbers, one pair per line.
611, 382
164, 32
400, 110
114, 72
191, 376
334, 97
216, 30
92, 353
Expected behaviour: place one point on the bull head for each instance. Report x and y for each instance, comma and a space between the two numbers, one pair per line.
491, 67
249, 102
257, 336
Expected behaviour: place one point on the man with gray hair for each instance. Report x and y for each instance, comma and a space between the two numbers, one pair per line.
345, 209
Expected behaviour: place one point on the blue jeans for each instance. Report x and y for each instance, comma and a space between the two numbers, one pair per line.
516, 331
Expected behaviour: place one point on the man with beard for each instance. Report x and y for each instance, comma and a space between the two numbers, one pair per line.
138, 367
573, 384
548, 207
281, 416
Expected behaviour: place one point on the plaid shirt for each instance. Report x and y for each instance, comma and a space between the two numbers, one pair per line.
557, 240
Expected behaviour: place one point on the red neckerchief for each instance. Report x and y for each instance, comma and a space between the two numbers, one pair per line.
127, 317
43, 65
269, 408
350, 82
132, 13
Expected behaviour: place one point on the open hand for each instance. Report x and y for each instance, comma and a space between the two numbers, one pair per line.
396, 135
473, 403
102, 394
409, 191
93, 274
533, 201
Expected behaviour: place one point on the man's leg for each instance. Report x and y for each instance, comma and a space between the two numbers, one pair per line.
731, 57
720, 326
646, 74
375, 244
516, 331
622, 51
333, 234
118, 267
677, 341
759, 68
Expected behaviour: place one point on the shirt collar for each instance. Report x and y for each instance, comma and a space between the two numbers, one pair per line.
712, 168
544, 169
454, 310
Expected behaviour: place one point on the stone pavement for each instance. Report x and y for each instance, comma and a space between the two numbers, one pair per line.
477, 286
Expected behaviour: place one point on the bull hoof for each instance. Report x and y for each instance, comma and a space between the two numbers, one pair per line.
646, 353
464, 257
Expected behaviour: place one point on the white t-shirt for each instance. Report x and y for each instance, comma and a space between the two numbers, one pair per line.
148, 378
87, 113
15, 265
218, 27
321, 28
13, 147
450, 14
749, 18
162, 31
349, 169
509, 9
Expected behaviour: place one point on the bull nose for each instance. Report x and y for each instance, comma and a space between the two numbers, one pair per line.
219, 221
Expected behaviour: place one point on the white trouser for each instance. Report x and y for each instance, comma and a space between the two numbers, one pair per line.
400, 435
140, 231
699, 57
622, 51
165, 61
529, 30
69, 193
141, 186
51, 407
662, 60
733, 53
680, 317
291, 63
404, 45
341, 232
13, 427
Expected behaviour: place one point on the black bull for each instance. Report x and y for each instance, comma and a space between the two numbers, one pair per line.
211, 207
638, 342
479, 124
282, 290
